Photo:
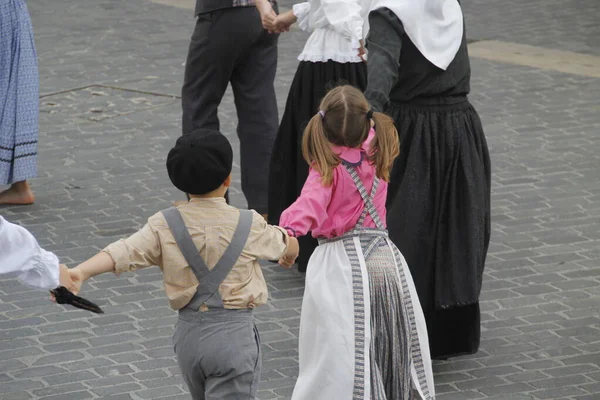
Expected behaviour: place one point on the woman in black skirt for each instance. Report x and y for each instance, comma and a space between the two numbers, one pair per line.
439, 195
330, 57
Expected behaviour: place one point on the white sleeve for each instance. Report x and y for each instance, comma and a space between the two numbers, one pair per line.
21, 254
345, 18
301, 11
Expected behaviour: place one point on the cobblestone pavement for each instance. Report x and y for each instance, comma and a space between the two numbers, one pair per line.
111, 73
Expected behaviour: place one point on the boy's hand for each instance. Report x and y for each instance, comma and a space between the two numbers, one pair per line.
287, 262
292, 252
77, 280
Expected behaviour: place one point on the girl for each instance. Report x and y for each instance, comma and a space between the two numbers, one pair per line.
18, 103
330, 57
362, 331
439, 194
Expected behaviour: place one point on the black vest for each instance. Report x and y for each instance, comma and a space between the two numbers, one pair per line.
206, 6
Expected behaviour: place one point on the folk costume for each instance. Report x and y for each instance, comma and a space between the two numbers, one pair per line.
208, 252
439, 194
362, 331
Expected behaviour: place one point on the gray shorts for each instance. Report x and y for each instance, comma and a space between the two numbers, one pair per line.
219, 353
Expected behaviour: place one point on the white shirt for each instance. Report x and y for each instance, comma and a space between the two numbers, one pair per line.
337, 28
21, 254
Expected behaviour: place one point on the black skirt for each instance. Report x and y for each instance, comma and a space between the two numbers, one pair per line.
288, 169
439, 215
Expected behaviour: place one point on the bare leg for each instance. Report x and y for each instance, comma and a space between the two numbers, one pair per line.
18, 194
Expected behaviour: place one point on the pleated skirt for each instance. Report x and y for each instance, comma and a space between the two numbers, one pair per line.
439, 215
288, 169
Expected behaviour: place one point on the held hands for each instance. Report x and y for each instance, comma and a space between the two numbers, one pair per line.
71, 279
283, 22
272, 22
292, 252
267, 14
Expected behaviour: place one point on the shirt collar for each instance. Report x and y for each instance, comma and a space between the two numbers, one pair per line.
209, 201
355, 155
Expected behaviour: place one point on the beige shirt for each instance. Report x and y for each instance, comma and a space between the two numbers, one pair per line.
211, 223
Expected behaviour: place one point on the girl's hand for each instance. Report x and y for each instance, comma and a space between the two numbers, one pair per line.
284, 21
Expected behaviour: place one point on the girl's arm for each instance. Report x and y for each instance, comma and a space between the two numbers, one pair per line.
309, 211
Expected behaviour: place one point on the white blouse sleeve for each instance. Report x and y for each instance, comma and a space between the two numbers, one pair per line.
301, 11
345, 18
21, 254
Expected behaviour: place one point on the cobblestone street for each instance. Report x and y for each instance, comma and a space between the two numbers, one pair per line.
111, 73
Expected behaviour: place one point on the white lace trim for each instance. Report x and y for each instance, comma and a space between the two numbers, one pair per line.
341, 58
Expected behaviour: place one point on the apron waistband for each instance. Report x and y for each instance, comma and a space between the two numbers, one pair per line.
363, 232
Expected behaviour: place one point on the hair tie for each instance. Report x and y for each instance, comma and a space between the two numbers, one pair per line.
322, 114
370, 114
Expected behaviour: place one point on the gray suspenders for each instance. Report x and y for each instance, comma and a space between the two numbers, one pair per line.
210, 280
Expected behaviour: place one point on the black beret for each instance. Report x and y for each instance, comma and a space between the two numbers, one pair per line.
200, 161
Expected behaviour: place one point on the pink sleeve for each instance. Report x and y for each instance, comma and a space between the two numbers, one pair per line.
310, 210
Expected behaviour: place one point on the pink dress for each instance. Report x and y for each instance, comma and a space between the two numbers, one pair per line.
330, 212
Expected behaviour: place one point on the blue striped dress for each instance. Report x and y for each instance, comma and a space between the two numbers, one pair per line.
19, 94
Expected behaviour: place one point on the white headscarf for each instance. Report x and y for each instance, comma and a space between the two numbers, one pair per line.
434, 26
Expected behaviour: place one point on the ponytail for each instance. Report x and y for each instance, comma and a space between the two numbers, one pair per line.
385, 146
317, 152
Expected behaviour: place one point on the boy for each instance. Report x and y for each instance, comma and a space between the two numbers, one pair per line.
208, 252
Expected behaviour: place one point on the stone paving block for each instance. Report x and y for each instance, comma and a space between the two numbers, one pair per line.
82, 395
558, 393
506, 390
158, 392
116, 389
17, 396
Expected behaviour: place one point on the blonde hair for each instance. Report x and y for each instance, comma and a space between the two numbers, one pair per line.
343, 121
